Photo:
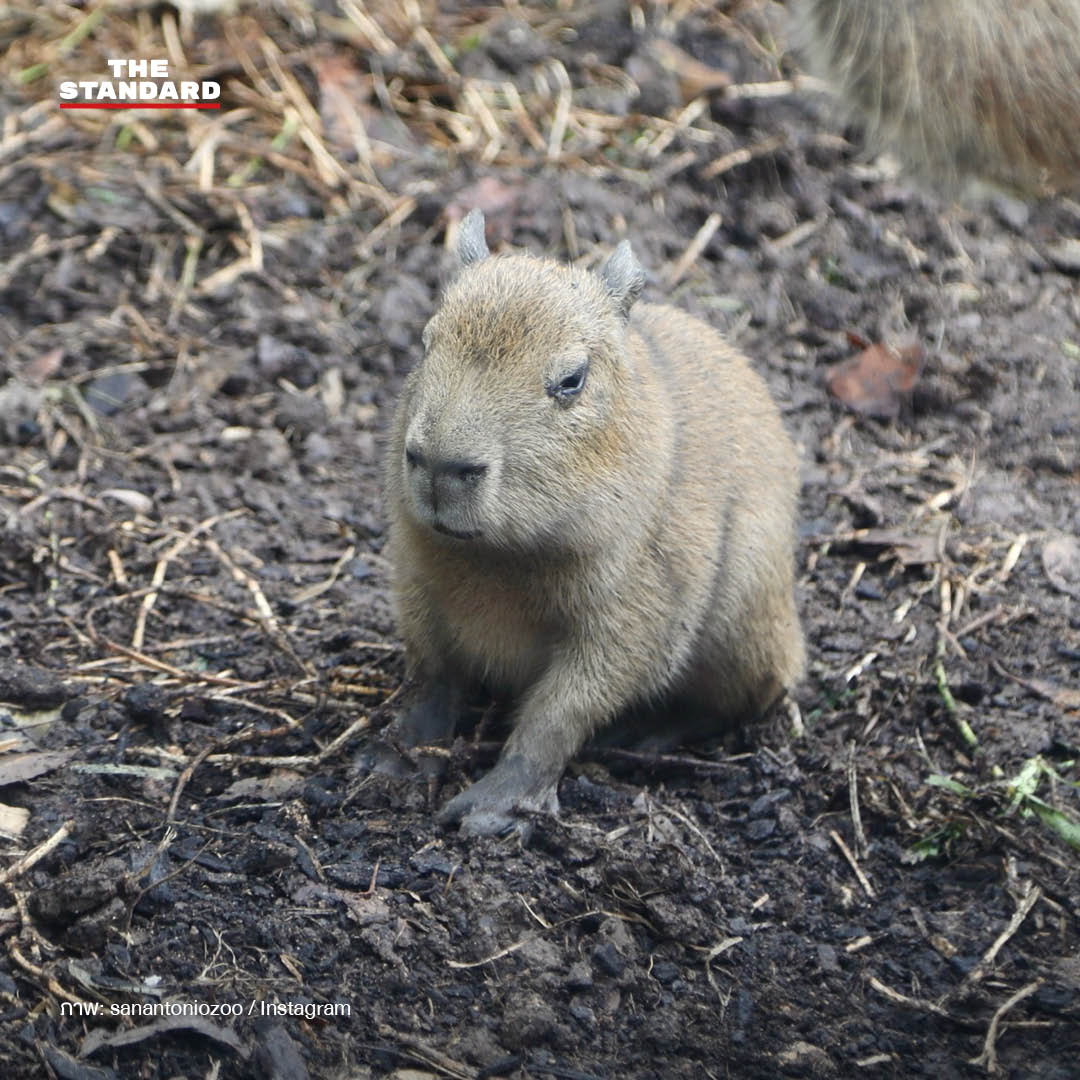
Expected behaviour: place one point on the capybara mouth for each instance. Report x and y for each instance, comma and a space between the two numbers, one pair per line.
456, 534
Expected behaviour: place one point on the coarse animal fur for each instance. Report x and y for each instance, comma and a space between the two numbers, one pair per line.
960, 89
592, 509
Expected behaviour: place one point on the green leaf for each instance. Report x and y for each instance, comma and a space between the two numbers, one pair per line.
946, 782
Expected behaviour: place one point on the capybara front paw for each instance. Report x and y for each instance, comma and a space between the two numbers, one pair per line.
494, 805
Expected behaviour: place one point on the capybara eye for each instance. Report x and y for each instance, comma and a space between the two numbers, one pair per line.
571, 385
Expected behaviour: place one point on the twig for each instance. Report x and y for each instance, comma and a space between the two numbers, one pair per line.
853, 799
912, 1003
416, 1050
562, 112
311, 592
462, 965
44, 977
980, 970
267, 619
184, 777
677, 271
988, 1057
743, 156
16, 869
361, 723
1012, 557
640, 757
863, 880
162, 568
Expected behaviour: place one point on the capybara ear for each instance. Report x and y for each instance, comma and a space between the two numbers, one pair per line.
623, 277
471, 244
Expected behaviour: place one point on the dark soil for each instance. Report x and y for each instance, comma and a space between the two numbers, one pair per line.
195, 626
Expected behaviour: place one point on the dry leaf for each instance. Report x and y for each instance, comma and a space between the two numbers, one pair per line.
13, 820
17, 768
877, 380
99, 1037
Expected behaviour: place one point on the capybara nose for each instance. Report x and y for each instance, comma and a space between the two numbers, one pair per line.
449, 480
454, 481
464, 472
458, 470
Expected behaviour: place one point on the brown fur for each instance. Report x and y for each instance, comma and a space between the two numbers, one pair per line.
961, 89
629, 547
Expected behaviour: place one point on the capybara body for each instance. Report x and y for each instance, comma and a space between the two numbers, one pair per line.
592, 509
960, 89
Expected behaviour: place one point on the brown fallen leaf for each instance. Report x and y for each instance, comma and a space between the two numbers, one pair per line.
876, 381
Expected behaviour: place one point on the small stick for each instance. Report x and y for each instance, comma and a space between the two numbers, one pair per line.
416, 1050
853, 798
980, 621
117, 566
51, 984
912, 1003
980, 970
966, 732
696, 246
37, 854
178, 673
743, 156
286, 761
184, 777
361, 723
1012, 557
523, 119
777, 88
150, 599
856, 869
267, 618
508, 950
562, 112
795, 720
395, 218
367, 26
858, 668
988, 1057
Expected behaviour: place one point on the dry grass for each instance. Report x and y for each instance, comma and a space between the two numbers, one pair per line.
340, 99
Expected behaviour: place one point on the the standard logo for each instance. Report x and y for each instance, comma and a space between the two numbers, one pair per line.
139, 84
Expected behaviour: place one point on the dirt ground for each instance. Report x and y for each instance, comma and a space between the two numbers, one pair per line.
204, 322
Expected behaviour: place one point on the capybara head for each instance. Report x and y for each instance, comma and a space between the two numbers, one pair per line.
514, 421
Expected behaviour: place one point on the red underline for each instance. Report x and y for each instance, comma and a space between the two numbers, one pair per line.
137, 105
